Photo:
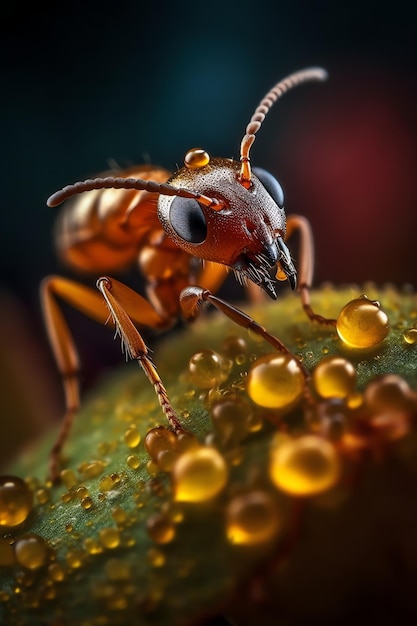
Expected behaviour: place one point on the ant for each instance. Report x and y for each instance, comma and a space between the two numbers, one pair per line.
216, 209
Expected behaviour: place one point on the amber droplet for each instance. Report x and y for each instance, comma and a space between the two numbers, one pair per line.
16, 501
196, 158
252, 518
388, 393
208, 369
199, 475
362, 323
305, 466
230, 419
160, 528
334, 377
31, 551
275, 381
159, 439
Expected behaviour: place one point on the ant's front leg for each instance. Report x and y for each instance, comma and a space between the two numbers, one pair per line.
193, 297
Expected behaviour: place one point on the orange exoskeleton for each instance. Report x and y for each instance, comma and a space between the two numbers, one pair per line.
213, 209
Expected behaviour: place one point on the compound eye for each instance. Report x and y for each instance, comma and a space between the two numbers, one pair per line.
187, 219
271, 185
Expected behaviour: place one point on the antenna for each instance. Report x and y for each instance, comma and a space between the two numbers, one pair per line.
302, 76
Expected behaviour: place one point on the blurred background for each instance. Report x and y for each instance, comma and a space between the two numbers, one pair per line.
83, 84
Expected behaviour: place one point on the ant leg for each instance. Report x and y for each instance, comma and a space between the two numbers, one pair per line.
117, 296
64, 350
193, 297
306, 266
91, 303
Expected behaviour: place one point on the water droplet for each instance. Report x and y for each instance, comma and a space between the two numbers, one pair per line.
16, 501
252, 518
160, 528
305, 466
275, 381
109, 538
334, 377
410, 336
362, 323
31, 551
132, 437
208, 369
199, 475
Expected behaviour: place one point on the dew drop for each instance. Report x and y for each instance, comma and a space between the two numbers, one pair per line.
275, 381
132, 437
160, 528
334, 377
16, 501
252, 518
109, 538
305, 466
410, 336
362, 323
31, 551
199, 475
208, 369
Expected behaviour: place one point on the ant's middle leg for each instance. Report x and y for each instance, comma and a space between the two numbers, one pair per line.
306, 266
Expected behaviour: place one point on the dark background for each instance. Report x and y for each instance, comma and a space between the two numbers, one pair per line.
83, 83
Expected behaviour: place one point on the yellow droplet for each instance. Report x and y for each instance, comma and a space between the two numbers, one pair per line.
68, 478
74, 558
208, 369
410, 336
87, 503
119, 515
305, 466
156, 557
334, 377
275, 381
133, 461
362, 323
56, 572
160, 528
92, 546
199, 475
81, 492
31, 551
132, 437
252, 518
42, 495
196, 158
16, 501
109, 538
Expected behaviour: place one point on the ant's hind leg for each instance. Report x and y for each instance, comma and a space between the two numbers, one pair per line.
306, 266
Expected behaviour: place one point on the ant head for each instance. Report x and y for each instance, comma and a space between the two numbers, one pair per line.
245, 232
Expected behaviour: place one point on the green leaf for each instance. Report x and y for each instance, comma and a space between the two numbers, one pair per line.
332, 554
